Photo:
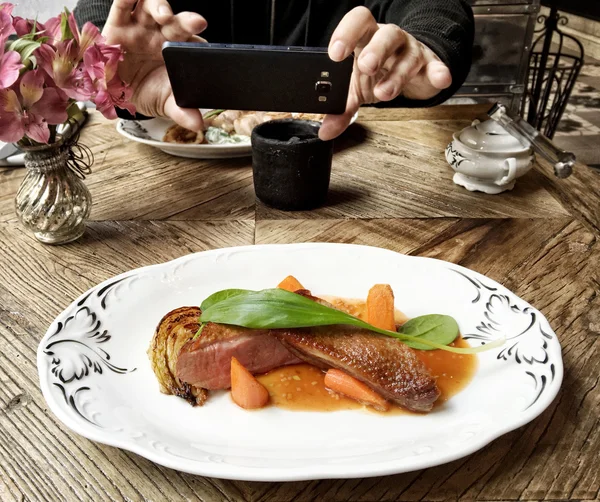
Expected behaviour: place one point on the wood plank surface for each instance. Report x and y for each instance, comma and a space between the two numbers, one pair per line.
391, 188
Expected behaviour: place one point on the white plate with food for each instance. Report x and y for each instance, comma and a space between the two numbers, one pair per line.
226, 135
124, 364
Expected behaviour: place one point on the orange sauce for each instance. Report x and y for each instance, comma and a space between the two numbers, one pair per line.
302, 387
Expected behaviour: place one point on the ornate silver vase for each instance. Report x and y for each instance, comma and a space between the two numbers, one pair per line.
52, 201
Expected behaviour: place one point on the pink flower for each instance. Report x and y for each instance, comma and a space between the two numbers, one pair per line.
52, 30
89, 36
65, 70
31, 115
24, 26
102, 64
10, 62
68, 65
10, 66
115, 93
6, 22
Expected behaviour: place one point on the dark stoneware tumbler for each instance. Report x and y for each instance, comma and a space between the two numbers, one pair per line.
290, 164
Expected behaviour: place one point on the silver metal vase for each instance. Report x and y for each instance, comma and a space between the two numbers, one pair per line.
52, 201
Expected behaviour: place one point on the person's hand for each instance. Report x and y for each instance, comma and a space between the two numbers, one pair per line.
141, 31
387, 62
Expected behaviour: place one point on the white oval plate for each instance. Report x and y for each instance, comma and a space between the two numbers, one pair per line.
97, 380
151, 132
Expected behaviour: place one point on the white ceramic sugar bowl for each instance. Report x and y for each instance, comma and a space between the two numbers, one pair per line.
487, 158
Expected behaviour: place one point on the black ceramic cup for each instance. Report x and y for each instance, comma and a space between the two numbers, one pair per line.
291, 166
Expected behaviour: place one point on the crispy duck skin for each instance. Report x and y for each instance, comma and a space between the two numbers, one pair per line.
384, 364
173, 331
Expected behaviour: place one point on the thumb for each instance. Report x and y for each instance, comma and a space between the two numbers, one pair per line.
438, 75
190, 118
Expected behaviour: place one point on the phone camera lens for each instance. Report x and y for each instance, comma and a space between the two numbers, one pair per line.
323, 87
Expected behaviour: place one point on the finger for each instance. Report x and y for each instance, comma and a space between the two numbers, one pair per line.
438, 74
160, 10
354, 28
334, 125
408, 65
388, 40
120, 12
182, 26
197, 39
190, 118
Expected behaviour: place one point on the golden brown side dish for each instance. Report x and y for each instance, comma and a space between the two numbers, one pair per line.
173, 331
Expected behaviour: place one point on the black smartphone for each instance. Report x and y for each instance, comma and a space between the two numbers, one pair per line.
254, 77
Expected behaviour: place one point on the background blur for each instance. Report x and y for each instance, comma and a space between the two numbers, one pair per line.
503, 41
43, 9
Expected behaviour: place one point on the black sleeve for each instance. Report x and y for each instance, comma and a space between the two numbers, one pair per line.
94, 11
445, 26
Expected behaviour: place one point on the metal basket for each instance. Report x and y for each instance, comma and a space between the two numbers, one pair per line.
551, 75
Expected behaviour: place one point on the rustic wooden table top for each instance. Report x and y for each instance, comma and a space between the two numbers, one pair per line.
391, 187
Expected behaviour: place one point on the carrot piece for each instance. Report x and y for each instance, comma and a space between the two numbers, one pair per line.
380, 307
290, 283
246, 391
343, 383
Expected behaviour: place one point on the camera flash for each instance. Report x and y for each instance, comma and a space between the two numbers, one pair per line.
322, 98
324, 74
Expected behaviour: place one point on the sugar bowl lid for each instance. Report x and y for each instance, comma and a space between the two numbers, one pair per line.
490, 136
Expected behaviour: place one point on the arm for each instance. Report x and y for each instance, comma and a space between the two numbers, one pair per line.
444, 26
395, 67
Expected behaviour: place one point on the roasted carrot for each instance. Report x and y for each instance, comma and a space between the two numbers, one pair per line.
246, 391
343, 383
380, 307
290, 283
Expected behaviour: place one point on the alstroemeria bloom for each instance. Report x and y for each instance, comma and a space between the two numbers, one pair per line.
102, 64
25, 27
88, 36
111, 94
10, 62
6, 24
31, 115
66, 70
10, 66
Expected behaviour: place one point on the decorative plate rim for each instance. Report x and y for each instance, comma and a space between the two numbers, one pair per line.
186, 146
246, 473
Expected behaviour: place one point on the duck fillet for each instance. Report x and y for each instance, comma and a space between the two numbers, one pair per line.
384, 364
206, 361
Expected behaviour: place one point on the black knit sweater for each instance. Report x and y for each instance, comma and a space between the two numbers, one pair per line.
445, 26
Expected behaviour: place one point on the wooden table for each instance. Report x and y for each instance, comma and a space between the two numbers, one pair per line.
391, 187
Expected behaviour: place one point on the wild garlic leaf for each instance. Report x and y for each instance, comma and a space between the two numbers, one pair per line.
280, 309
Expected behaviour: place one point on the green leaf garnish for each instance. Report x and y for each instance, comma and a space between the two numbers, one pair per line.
434, 327
220, 296
280, 309
213, 113
199, 332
